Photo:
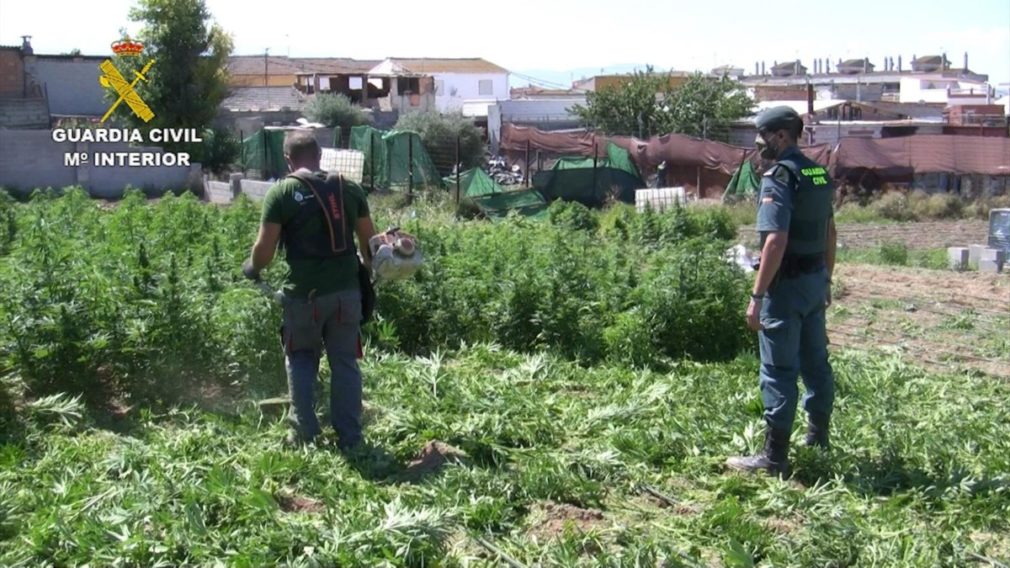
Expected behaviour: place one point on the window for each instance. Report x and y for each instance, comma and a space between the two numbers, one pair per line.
408, 85
439, 87
485, 87
355, 83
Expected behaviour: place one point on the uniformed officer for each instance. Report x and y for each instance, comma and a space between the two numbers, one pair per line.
315, 217
795, 221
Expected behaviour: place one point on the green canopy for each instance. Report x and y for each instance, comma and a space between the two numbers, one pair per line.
744, 184
527, 202
264, 151
492, 199
579, 179
394, 155
473, 183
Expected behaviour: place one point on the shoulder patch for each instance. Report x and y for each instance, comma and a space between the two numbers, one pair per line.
783, 175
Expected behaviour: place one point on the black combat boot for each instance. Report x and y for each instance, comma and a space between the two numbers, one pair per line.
817, 431
773, 459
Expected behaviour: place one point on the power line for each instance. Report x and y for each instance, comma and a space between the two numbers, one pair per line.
543, 82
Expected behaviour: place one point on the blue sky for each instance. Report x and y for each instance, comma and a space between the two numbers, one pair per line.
555, 37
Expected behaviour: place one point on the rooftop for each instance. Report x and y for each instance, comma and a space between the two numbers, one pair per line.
280, 65
246, 99
868, 77
426, 65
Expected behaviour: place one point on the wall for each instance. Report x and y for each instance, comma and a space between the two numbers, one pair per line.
467, 88
30, 159
915, 89
71, 84
544, 114
827, 132
860, 92
23, 113
12, 73
252, 121
255, 189
607, 81
256, 80
414, 102
218, 191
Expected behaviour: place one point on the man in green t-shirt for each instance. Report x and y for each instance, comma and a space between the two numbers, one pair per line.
314, 217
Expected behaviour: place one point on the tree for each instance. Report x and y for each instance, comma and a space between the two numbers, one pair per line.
630, 109
188, 81
439, 133
646, 106
704, 107
335, 110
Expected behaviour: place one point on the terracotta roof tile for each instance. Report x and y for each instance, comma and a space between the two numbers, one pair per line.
439, 65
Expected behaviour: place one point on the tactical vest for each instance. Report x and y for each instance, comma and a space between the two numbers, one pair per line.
813, 195
319, 230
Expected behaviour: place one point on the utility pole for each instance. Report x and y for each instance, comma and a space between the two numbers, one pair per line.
266, 73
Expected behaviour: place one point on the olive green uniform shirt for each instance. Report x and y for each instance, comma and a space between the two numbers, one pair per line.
323, 275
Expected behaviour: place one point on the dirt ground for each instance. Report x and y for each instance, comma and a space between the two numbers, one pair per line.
915, 236
921, 235
550, 519
943, 320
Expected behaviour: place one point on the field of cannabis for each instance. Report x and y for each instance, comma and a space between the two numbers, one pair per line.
544, 393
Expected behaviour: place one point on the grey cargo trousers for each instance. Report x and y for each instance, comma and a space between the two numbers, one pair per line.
333, 322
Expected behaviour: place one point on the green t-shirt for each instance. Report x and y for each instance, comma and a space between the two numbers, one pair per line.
322, 275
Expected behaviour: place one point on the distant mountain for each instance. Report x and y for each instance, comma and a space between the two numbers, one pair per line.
563, 78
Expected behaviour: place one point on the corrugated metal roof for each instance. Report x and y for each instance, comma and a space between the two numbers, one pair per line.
244, 99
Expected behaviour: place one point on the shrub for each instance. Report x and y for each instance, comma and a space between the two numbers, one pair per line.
335, 110
979, 209
936, 206
220, 150
630, 339
144, 301
439, 133
572, 215
894, 205
894, 253
584, 293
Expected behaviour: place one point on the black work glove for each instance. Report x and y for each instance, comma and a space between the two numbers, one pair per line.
249, 272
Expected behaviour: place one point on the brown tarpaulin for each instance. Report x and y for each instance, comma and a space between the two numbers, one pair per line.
708, 165
924, 153
690, 162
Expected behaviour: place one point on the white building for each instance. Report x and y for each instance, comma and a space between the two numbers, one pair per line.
931, 80
466, 85
944, 88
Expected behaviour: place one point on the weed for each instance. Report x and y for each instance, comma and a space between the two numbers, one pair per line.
895, 254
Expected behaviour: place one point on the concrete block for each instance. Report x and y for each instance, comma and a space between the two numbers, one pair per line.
975, 255
993, 259
957, 258
990, 266
236, 184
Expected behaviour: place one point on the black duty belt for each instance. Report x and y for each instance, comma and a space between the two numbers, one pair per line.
794, 265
